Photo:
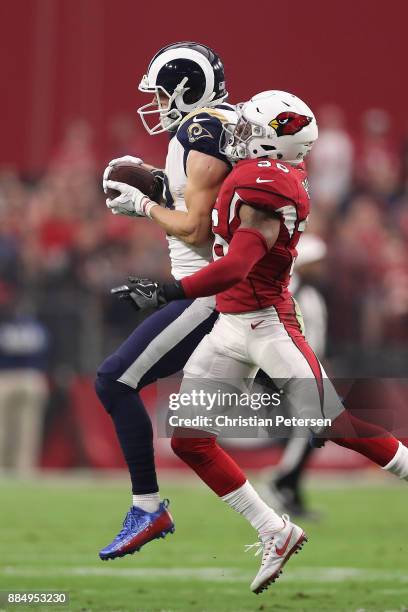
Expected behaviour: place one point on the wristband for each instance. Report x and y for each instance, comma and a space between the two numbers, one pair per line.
147, 206
173, 291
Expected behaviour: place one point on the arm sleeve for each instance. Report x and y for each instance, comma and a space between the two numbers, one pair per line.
246, 248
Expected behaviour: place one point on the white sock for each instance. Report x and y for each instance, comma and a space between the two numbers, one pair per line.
247, 502
149, 502
399, 463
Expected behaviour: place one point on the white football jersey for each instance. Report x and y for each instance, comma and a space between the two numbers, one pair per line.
199, 131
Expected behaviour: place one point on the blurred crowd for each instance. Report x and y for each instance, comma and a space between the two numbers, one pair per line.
61, 250
360, 207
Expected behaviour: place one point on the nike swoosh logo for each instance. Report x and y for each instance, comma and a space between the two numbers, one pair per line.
281, 551
259, 180
197, 120
255, 325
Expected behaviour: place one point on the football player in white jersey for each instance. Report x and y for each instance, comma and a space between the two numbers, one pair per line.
188, 85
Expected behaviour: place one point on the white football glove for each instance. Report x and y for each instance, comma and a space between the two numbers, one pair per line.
131, 201
126, 159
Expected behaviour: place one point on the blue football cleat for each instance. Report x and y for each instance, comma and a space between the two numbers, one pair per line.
139, 528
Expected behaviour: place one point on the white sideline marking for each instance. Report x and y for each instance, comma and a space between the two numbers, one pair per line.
310, 575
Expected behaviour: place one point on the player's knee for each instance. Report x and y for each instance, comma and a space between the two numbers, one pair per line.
112, 368
193, 450
177, 446
107, 386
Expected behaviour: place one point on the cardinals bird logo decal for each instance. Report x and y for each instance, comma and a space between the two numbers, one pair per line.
288, 123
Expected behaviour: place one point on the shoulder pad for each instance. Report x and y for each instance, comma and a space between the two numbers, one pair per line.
268, 176
265, 185
202, 131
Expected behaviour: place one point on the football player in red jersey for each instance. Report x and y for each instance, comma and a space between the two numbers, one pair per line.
259, 216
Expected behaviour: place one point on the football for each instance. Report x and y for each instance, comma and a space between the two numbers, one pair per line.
137, 176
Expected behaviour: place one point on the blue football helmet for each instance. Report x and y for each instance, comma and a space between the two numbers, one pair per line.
182, 77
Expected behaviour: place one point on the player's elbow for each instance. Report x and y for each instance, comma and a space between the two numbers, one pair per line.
236, 273
228, 281
198, 236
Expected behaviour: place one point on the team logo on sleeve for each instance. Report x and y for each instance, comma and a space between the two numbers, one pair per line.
195, 131
288, 123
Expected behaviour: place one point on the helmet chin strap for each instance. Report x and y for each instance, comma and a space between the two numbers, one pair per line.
171, 121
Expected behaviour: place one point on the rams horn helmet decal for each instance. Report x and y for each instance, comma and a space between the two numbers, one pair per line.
289, 123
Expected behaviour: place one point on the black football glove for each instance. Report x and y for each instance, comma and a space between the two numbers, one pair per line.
145, 293
158, 195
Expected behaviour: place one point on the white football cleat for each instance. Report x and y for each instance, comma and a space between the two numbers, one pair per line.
276, 548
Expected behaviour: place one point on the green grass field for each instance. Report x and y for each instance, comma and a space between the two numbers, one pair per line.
356, 558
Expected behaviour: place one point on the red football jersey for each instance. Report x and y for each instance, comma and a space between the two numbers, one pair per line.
269, 185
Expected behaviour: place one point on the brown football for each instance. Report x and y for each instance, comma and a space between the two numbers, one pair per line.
136, 176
